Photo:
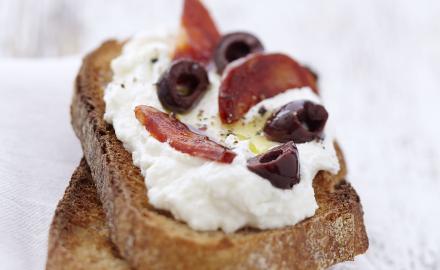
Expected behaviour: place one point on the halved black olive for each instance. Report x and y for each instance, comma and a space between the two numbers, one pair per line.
182, 85
234, 46
299, 121
279, 165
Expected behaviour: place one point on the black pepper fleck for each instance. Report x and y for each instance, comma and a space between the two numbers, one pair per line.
262, 111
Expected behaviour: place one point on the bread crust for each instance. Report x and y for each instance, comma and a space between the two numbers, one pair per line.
150, 238
78, 237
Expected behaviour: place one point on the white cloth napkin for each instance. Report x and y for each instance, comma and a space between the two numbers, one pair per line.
38, 153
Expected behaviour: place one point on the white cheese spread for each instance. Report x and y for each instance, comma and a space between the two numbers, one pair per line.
208, 195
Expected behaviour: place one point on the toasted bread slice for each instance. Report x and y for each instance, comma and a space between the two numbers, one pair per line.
151, 239
78, 237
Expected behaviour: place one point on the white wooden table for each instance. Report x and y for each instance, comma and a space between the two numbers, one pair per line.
379, 62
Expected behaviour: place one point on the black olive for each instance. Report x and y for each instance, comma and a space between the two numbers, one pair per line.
279, 165
299, 121
234, 46
182, 85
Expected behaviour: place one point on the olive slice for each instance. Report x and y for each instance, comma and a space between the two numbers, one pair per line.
279, 165
234, 46
182, 85
299, 121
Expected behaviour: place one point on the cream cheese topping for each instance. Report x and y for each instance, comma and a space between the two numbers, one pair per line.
208, 195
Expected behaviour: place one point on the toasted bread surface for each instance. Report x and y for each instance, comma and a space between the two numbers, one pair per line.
78, 237
152, 239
